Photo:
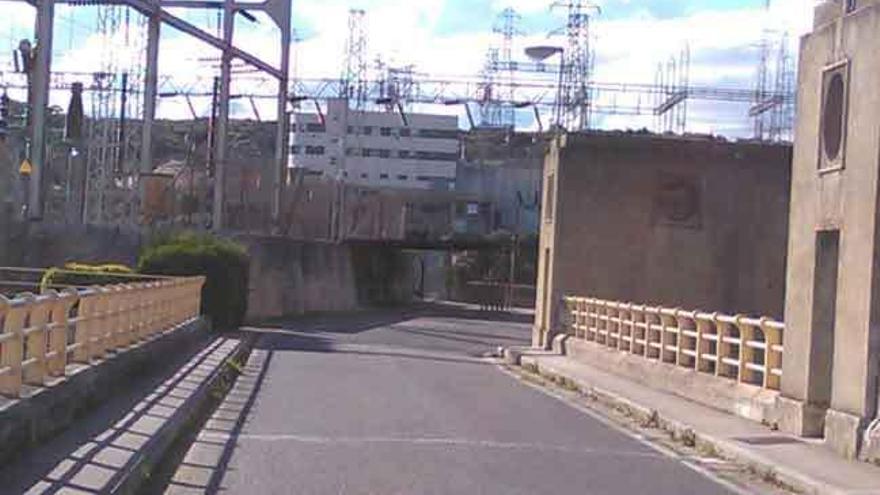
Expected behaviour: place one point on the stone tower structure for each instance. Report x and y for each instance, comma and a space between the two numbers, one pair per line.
831, 368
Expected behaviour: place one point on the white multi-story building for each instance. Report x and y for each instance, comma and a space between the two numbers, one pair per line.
377, 148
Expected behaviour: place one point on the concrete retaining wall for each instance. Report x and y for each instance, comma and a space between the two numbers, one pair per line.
295, 277
287, 277
290, 277
37, 244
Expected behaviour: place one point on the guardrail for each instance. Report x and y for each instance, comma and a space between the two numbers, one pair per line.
41, 334
744, 349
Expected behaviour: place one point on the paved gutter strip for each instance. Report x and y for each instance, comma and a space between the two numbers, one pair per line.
799, 481
120, 459
202, 468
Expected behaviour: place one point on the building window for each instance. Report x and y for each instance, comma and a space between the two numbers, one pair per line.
368, 130
315, 128
295, 149
438, 133
351, 129
473, 209
551, 198
352, 152
385, 131
436, 156
363, 176
314, 150
402, 177
384, 153
403, 154
405, 132
383, 176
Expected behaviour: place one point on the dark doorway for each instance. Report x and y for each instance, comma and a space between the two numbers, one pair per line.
824, 310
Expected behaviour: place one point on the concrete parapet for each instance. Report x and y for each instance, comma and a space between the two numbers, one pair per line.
744, 400
41, 412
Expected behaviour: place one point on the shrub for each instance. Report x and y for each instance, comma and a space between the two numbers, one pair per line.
224, 264
85, 275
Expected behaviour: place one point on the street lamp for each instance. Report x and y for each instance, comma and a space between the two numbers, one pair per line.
543, 52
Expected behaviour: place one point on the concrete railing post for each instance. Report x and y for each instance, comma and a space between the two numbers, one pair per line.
33, 366
746, 351
773, 353
58, 329
11, 351
83, 334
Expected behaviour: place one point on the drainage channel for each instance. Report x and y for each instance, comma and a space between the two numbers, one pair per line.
197, 459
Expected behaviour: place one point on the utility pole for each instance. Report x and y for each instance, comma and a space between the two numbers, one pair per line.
150, 89
223, 118
282, 18
40, 102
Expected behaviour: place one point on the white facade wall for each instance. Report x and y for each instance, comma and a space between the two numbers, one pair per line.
376, 149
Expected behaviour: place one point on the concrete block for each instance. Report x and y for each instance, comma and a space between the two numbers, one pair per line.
871, 443
843, 433
798, 418
512, 356
559, 344
93, 477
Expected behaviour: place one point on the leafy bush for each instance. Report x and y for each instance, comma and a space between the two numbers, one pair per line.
85, 275
224, 264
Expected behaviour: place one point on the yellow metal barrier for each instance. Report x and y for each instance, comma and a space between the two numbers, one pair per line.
747, 350
41, 334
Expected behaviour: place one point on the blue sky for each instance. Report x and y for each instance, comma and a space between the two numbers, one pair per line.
446, 38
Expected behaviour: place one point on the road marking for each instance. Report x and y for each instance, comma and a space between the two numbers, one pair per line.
439, 441
663, 451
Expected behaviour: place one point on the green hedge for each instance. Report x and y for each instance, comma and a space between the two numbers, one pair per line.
84, 275
224, 264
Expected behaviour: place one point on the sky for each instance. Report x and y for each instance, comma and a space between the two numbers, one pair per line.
447, 38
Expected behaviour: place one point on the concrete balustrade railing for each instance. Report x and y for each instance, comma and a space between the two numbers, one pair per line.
740, 348
41, 334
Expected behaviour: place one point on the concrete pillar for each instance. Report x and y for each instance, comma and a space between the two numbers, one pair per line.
832, 340
548, 302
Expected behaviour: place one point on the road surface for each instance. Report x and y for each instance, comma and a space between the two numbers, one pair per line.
389, 403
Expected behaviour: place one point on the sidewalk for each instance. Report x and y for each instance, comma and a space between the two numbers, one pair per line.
802, 463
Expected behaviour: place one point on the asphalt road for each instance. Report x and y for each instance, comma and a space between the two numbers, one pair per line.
386, 403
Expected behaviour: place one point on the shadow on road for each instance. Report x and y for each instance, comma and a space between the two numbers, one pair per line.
428, 328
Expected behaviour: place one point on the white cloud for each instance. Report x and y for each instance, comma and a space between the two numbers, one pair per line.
523, 7
723, 46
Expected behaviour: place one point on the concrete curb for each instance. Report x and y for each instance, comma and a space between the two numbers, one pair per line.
138, 471
799, 481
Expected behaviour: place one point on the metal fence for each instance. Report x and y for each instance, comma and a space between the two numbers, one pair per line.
41, 334
744, 349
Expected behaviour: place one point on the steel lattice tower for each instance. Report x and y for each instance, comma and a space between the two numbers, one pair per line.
507, 27
490, 108
576, 93
354, 74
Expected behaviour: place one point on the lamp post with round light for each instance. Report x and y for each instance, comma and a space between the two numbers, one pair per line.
543, 52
